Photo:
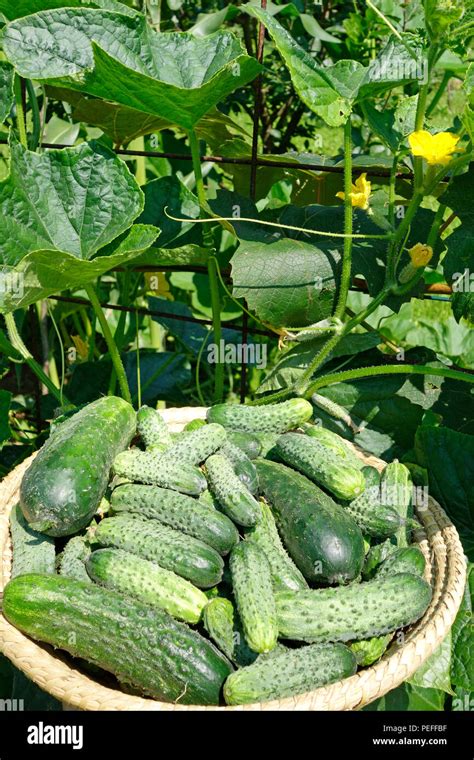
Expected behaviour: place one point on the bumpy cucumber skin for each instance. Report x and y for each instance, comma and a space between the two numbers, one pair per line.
177, 511
333, 442
234, 498
152, 428
193, 425
285, 574
185, 556
289, 673
373, 518
244, 468
371, 475
63, 486
72, 561
223, 625
376, 555
396, 488
247, 442
322, 539
321, 465
143, 647
195, 447
149, 468
408, 559
252, 582
32, 552
353, 612
272, 418
369, 651
134, 576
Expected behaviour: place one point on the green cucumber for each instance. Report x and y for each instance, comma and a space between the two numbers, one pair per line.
247, 442
321, 538
193, 425
148, 467
244, 468
333, 442
267, 444
143, 647
195, 447
371, 475
225, 628
134, 576
358, 611
179, 512
152, 428
272, 418
369, 651
72, 560
185, 556
252, 583
289, 673
373, 518
320, 464
32, 552
285, 574
234, 498
408, 559
63, 486
396, 489
376, 555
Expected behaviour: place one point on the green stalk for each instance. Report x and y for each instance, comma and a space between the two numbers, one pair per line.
348, 223
35, 112
439, 93
421, 114
20, 112
391, 369
211, 265
19, 347
109, 339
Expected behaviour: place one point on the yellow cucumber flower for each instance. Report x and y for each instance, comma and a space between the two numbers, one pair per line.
420, 255
360, 192
436, 149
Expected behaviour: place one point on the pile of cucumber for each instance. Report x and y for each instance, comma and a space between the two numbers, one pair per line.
250, 557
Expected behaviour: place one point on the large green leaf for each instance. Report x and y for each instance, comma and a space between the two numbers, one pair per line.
449, 458
459, 198
330, 91
19, 8
409, 698
435, 673
6, 90
462, 668
174, 76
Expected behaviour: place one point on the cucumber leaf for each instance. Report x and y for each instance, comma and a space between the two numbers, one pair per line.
174, 76
409, 698
449, 458
435, 673
462, 667
459, 255
21, 8
6, 90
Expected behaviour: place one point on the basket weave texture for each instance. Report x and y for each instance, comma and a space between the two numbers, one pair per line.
445, 570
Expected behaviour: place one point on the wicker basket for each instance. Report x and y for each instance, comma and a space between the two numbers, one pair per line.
446, 570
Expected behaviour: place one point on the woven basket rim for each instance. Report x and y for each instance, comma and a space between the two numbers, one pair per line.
446, 570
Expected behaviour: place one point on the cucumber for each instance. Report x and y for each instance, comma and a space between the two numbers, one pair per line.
320, 464
143, 647
32, 552
133, 576
193, 425
373, 518
285, 574
225, 628
396, 488
244, 468
333, 442
272, 418
72, 560
63, 486
185, 556
177, 511
369, 651
195, 447
358, 611
234, 498
371, 475
148, 467
289, 673
252, 583
409, 559
376, 555
322, 539
152, 428
267, 444
247, 442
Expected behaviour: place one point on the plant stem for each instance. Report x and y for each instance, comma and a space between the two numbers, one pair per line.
439, 93
20, 112
19, 348
348, 219
211, 267
420, 115
112, 346
391, 369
